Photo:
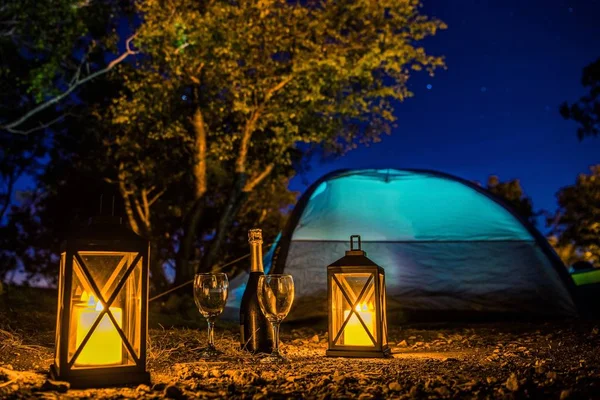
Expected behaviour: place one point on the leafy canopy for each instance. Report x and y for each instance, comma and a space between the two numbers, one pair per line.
577, 221
512, 192
225, 96
586, 112
276, 71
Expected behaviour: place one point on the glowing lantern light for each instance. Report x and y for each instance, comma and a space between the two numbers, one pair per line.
102, 318
356, 297
104, 346
355, 334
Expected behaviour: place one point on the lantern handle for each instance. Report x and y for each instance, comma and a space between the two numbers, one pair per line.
352, 243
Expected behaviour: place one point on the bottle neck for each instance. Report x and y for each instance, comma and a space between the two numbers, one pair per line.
256, 263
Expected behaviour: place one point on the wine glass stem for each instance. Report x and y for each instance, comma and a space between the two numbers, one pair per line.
211, 333
276, 338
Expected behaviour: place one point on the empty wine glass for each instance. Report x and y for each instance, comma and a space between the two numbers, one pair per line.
275, 296
210, 295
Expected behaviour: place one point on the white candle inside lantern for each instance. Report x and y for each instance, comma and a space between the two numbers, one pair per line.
354, 332
104, 347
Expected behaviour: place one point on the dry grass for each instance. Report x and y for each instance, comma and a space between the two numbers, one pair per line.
503, 360
476, 361
9, 340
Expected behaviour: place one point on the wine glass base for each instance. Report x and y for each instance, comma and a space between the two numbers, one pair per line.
274, 359
209, 353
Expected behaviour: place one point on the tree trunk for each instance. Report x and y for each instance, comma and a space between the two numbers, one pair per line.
235, 202
184, 270
158, 278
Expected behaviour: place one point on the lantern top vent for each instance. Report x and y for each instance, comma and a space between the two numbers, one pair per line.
355, 251
105, 231
356, 256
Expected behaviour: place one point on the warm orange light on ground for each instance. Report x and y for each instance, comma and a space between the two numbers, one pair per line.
104, 346
354, 333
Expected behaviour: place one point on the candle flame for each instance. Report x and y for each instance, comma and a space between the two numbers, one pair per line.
91, 301
361, 307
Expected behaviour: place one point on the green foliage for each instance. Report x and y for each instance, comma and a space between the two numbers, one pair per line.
44, 46
315, 73
512, 193
267, 77
567, 251
577, 221
264, 76
47, 39
586, 112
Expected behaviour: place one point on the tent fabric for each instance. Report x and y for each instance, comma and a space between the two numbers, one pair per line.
403, 206
453, 276
445, 245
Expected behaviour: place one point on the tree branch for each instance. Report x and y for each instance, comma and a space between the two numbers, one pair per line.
9, 32
271, 92
125, 193
200, 153
11, 127
240, 164
254, 182
156, 197
146, 206
38, 128
138, 208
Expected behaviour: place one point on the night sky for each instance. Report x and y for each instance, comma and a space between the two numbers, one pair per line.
511, 63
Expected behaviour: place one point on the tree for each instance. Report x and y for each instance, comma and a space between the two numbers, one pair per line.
67, 188
512, 193
586, 112
55, 56
223, 93
577, 221
49, 49
567, 252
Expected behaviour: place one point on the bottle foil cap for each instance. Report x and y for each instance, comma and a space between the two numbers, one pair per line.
255, 235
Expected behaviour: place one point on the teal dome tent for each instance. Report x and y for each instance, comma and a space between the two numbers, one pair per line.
447, 246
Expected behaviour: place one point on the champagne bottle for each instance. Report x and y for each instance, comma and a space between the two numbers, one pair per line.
256, 335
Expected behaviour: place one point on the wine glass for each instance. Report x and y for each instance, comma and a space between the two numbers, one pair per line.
210, 295
275, 296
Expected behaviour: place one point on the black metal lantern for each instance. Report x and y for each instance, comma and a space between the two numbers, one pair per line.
356, 303
102, 318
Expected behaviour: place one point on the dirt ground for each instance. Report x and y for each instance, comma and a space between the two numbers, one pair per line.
555, 360
559, 360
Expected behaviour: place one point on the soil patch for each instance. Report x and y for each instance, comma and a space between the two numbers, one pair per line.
502, 360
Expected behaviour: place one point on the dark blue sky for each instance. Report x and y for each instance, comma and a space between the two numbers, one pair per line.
511, 63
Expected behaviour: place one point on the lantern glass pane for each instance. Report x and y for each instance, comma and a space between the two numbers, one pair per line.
59, 313
354, 291
383, 309
97, 277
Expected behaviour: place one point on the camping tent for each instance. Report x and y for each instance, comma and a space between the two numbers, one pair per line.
446, 244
